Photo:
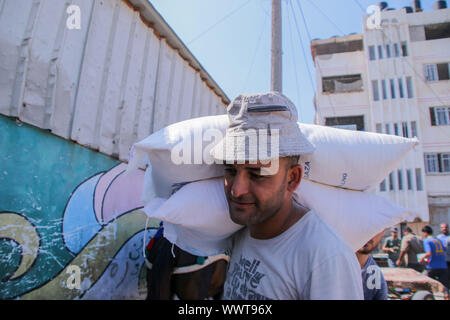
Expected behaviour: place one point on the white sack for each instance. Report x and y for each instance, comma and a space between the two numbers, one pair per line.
351, 159
157, 148
358, 216
196, 218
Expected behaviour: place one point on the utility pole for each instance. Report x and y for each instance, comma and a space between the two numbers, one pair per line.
276, 59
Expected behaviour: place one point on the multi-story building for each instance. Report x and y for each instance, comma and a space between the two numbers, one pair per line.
394, 79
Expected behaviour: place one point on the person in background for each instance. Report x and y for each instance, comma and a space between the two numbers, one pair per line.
410, 247
435, 250
444, 236
374, 284
392, 247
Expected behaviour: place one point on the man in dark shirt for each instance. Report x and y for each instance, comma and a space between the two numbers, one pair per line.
392, 247
411, 246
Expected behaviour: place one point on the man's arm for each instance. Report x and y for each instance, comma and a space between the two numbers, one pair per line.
426, 255
404, 248
385, 246
427, 249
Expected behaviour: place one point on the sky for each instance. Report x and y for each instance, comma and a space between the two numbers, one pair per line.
231, 40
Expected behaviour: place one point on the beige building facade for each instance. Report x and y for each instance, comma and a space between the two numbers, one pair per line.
394, 79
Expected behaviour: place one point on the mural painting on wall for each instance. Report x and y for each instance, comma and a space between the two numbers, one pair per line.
70, 224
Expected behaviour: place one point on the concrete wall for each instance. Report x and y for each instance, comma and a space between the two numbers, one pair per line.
63, 206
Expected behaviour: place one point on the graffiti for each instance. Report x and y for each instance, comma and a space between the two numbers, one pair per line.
70, 220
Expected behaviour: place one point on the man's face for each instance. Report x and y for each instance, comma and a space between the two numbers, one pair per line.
371, 244
253, 197
444, 228
394, 234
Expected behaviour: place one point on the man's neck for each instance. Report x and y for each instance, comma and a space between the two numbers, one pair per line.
281, 221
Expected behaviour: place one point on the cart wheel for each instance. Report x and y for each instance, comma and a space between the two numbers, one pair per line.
422, 295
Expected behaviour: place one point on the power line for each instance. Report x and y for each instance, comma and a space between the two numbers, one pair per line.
303, 48
360, 6
295, 67
218, 22
318, 69
328, 18
256, 52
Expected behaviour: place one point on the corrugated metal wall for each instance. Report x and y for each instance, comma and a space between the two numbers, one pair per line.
107, 85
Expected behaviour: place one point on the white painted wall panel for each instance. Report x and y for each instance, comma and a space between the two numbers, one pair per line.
163, 86
144, 117
69, 65
131, 89
89, 101
14, 40
186, 107
197, 96
173, 96
112, 102
41, 75
107, 85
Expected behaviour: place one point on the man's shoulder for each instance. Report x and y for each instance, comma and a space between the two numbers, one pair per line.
321, 237
443, 236
370, 263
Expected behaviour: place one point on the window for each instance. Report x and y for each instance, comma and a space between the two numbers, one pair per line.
445, 162
396, 129
396, 50
375, 90
437, 162
372, 53
405, 129
391, 181
409, 179
392, 88
409, 87
437, 72
400, 87
400, 179
440, 116
339, 47
350, 123
344, 83
384, 89
380, 52
388, 128
419, 185
430, 72
388, 51
383, 186
414, 129
378, 128
431, 163
442, 70
404, 49
437, 31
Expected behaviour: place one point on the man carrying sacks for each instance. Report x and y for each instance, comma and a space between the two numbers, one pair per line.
287, 251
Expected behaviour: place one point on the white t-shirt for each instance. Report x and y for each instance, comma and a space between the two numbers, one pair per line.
307, 261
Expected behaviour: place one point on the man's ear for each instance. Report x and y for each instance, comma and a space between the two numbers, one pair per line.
294, 177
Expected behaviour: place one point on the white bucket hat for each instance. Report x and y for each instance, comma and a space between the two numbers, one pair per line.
262, 127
